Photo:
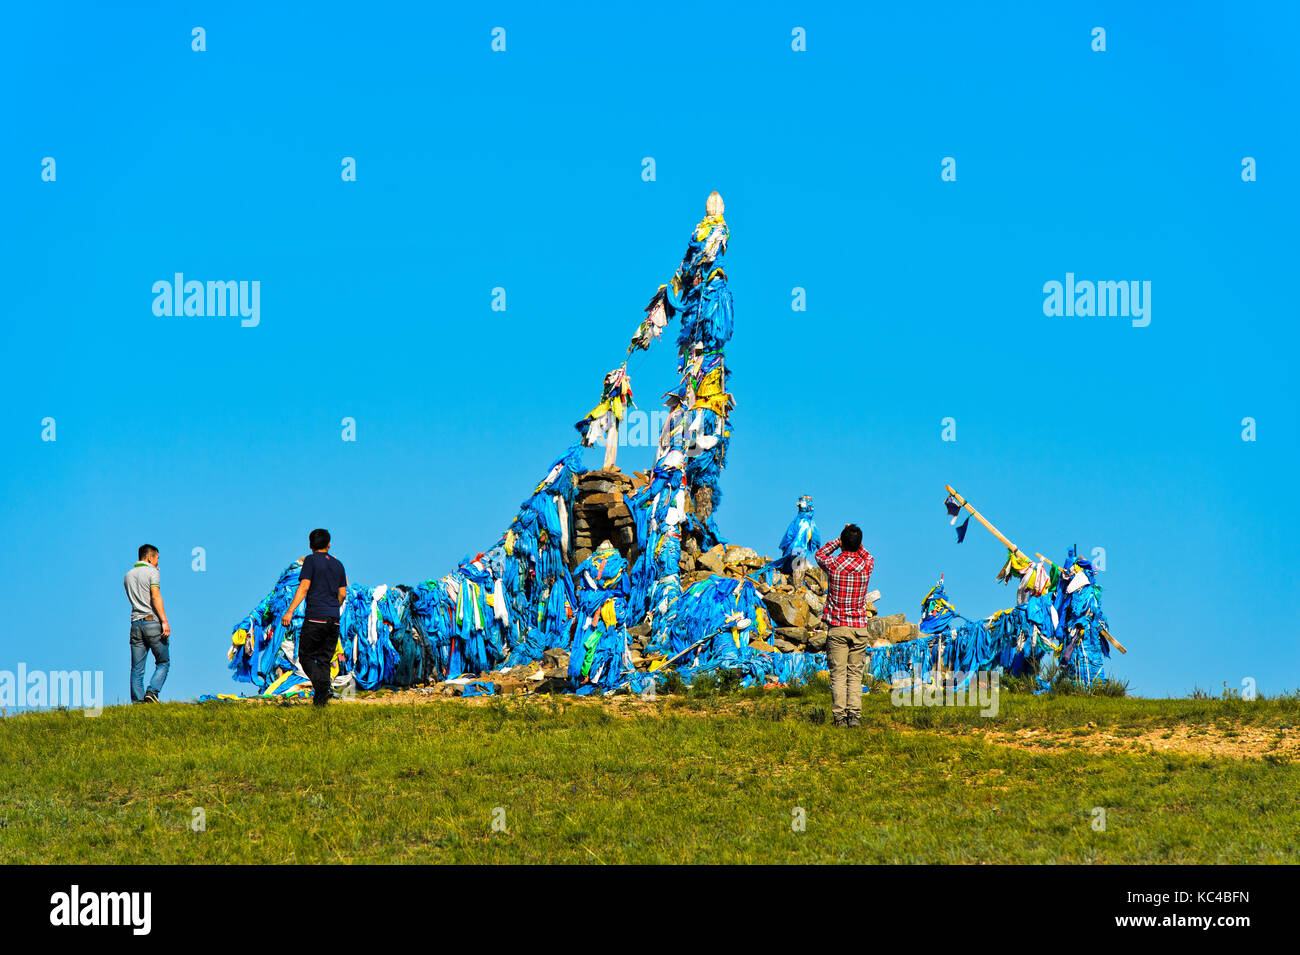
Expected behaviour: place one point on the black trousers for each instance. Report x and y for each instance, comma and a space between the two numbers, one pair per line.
316, 646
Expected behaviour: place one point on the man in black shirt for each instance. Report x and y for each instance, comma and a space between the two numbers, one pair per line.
323, 582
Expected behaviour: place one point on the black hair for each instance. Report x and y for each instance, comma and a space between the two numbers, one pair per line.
851, 537
146, 550
319, 539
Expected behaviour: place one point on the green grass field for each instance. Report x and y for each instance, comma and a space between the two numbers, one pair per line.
706, 777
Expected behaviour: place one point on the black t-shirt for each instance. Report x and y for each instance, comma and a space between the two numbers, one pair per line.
327, 576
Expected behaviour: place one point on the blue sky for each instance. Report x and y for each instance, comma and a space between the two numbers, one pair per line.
523, 170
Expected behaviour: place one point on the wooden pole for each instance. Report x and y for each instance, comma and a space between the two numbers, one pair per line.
980, 517
1113, 642
1016, 550
657, 665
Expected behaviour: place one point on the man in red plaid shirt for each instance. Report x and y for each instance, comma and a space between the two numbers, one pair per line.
846, 615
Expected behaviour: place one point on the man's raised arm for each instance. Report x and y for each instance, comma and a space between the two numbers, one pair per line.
825, 553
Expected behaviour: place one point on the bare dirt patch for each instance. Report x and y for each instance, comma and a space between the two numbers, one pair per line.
1200, 740
1246, 743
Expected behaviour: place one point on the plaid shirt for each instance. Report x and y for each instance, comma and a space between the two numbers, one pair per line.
846, 606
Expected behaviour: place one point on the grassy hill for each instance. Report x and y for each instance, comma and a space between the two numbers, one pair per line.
708, 776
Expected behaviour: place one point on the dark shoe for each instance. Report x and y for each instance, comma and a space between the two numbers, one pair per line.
839, 723
852, 722
150, 696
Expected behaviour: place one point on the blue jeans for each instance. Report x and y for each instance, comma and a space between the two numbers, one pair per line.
146, 636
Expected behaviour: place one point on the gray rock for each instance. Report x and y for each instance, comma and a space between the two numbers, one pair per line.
876, 629
901, 632
694, 577
786, 609
614, 475
712, 560
742, 555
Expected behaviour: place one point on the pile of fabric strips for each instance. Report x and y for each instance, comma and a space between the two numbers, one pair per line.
1060, 611
507, 605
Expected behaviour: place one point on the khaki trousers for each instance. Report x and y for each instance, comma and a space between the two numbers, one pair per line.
845, 650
